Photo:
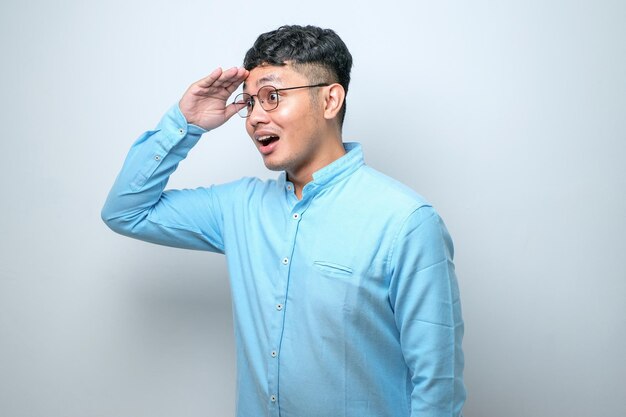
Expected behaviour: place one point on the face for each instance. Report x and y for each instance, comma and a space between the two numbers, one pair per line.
291, 137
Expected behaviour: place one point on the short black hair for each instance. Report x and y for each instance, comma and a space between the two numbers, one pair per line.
318, 53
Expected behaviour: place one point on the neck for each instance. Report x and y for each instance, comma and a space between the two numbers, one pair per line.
304, 175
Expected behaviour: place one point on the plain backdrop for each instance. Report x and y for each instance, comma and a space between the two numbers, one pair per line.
509, 116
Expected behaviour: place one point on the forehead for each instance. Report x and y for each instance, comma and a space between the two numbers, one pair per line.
277, 76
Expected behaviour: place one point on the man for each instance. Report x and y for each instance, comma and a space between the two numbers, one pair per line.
344, 293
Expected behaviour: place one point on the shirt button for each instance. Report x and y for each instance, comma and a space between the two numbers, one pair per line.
181, 131
274, 353
296, 216
289, 188
157, 158
279, 307
285, 261
273, 398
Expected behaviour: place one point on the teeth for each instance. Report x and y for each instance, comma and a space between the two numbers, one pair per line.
265, 138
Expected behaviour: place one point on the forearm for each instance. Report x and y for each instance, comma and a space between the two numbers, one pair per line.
139, 188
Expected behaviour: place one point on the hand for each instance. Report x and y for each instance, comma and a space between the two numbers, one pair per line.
204, 103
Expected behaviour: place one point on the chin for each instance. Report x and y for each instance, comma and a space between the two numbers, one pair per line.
272, 166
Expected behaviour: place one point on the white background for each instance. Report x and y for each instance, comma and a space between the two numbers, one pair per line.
509, 116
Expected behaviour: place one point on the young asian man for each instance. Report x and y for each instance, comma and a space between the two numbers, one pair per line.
344, 292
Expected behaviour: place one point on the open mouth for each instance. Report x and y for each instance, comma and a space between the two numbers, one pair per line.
267, 140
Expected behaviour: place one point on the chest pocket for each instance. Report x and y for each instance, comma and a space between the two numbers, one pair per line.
331, 269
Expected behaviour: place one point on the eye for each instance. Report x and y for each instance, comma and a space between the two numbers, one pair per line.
272, 97
245, 99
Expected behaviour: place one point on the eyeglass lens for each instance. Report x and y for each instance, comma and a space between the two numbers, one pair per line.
267, 97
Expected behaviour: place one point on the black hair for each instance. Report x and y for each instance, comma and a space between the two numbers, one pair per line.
318, 53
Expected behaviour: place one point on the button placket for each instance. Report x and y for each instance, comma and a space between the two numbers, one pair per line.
282, 294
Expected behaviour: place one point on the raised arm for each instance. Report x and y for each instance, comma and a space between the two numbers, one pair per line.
138, 206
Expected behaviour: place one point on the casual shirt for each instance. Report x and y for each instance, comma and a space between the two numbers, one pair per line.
345, 302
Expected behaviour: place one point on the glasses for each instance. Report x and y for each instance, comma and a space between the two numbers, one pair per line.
267, 96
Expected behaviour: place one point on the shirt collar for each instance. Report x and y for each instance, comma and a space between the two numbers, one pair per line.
333, 172
341, 168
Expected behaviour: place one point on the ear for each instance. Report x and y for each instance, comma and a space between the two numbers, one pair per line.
333, 100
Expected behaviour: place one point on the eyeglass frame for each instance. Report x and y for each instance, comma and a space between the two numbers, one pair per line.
276, 90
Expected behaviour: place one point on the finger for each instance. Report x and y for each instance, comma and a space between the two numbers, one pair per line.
211, 78
231, 109
238, 78
230, 76
220, 80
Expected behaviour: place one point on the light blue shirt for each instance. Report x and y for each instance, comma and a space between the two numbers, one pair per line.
346, 302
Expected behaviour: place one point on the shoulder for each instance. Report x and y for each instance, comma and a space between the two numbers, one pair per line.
409, 209
387, 190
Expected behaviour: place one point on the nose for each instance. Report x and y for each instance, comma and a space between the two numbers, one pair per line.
258, 114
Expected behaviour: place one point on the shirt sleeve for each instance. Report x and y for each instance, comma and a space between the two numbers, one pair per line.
137, 206
425, 297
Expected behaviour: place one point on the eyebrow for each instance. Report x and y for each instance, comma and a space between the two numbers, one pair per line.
265, 79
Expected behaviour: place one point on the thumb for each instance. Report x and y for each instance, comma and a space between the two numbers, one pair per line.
231, 109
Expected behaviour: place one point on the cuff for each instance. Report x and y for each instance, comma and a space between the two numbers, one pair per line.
175, 126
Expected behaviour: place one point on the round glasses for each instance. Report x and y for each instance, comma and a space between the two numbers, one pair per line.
267, 97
